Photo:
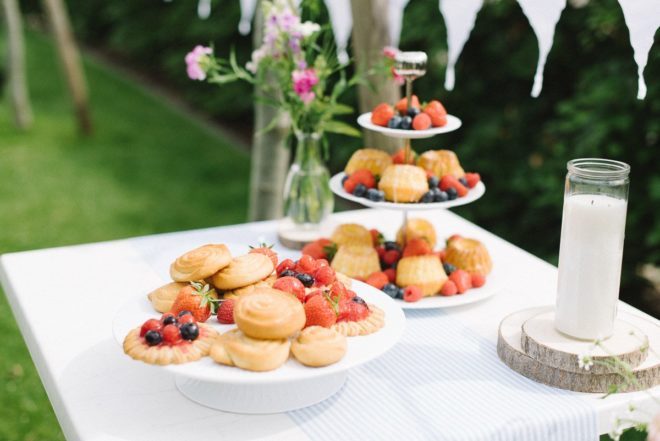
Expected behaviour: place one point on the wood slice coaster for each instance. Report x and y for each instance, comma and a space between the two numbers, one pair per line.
510, 351
541, 341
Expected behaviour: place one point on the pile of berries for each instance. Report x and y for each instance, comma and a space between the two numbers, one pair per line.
448, 187
326, 300
415, 117
363, 184
170, 329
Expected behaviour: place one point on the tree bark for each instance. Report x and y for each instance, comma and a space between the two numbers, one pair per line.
270, 154
70, 59
20, 100
370, 35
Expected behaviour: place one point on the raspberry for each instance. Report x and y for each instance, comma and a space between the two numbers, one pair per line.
462, 280
449, 289
378, 280
421, 122
472, 179
478, 280
412, 293
391, 275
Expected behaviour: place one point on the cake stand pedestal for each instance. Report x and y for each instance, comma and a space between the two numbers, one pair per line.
529, 344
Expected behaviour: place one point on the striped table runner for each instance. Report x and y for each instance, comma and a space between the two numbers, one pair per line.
442, 381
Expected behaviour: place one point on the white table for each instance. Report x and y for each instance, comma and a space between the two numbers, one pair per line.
100, 394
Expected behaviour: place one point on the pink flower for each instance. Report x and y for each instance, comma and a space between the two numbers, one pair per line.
193, 59
303, 82
390, 52
398, 79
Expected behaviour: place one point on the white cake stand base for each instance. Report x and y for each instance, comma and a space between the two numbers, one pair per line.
262, 398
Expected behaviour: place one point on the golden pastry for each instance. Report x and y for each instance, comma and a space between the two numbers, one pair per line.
234, 348
376, 161
356, 261
441, 163
162, 298
469, 255
268, 313
266, 283
418, 228
403, 183
243, 271
351, 234
162, 354
200, 263
318, 346
369, 325
423, 271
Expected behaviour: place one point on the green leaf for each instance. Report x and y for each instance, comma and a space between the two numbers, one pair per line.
341, 128
341, 109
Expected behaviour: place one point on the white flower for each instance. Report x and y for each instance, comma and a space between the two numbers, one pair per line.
585, 361
308, 28
257, 56
616, 431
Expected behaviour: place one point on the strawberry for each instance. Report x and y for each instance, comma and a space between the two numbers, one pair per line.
381, 251
412, 293
436, 106
291, 285
364, 177
226, 312
266, 250
421, 122
349, 295
315, 250
462, 280
391, 257
450, 181
399, 157
448, 289
381, 114
286, 264
402, 105
478, 280
171, 335
306, 264
319, 312
353, 310
324, 275
338, 289
391, 275
320, 263
472, 179
437, 119
197, 298
378, 280
417, 246
150, 325
350, 184
376, 237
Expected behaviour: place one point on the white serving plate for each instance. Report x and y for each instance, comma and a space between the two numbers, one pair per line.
338, 189
289, 387
453, 123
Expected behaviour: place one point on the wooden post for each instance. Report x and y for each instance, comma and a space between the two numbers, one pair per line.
370, 35
20, 100
70, 59
270, 155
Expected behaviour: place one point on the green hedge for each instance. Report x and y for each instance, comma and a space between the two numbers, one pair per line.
519, 144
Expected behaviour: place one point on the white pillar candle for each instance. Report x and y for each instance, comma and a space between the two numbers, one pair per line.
590, 257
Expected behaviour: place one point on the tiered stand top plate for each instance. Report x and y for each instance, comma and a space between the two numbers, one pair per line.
338, 189
453, 123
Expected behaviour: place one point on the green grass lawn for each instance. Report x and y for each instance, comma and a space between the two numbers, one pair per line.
146, 169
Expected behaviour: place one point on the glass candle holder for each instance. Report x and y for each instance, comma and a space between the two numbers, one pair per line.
591, 249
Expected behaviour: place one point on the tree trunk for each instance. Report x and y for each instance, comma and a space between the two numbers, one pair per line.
370, 35
270, 155
20, 100
70, 59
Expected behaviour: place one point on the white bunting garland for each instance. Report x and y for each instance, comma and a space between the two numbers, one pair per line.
543, 16
395, 20
459, 16
248, 8
341, 20
204, 9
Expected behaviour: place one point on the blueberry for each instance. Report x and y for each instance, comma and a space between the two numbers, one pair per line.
170, 320
413, 112
449, 268
399, 293
182, 313
360, 191
391, 290
451, 193
375, 195
153, 338
427, 197
433, 182
189, 331
394, 122
439, 195
463, 181
288, 273
406, 123
359, 300
390, 245
306, 279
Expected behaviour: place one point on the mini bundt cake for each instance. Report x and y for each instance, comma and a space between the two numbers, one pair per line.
356, 261
417, 228
376, 161
441, 163
351, 234
469, 255
403, 183
423, 271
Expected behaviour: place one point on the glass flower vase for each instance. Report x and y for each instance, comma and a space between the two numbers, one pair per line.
308, 200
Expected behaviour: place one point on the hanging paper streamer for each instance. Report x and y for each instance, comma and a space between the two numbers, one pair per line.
543, 16
204, 9
459, 16
341, 20
643, 19
247, 14
396, 8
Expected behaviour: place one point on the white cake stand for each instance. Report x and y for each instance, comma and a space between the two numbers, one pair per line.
292, 386
453, 123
